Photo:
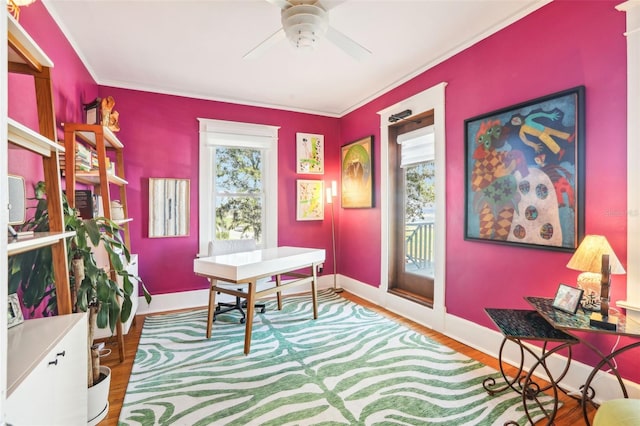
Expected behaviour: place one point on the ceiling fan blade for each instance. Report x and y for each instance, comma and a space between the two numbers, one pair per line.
265, 45
345, 43
329, 4
282, 4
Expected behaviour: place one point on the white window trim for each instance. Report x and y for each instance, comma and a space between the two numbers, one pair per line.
217, 132
632, 304
430, 99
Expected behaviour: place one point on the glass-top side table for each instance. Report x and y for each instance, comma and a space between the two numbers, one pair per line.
526, 325
517, 326
579, 322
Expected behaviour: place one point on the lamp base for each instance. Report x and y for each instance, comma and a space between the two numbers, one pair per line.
590, 283
607, 323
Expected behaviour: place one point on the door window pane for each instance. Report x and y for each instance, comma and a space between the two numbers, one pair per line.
419, 218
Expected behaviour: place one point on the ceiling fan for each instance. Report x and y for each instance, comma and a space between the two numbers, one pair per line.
304, 24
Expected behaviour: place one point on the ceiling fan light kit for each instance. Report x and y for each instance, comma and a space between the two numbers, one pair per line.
305, 25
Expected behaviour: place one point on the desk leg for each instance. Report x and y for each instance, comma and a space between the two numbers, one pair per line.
278, 294
314, 290
251, 300
212, 306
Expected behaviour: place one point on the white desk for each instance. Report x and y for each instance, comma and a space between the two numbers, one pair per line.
246, 268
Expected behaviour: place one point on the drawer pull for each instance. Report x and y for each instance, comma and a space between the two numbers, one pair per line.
59, 354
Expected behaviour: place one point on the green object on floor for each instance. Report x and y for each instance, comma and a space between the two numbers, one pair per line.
618, 412
351, 366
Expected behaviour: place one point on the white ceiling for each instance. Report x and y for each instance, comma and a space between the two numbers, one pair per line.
195, 48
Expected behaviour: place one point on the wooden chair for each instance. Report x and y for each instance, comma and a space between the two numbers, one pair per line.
221, 247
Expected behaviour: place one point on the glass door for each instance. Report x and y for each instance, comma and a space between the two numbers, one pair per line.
413, 215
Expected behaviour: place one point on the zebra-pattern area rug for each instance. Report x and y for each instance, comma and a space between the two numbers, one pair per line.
351, 366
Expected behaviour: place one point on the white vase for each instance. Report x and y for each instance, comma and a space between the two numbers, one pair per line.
98, 398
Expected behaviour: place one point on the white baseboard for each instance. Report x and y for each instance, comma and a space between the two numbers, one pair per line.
200, 298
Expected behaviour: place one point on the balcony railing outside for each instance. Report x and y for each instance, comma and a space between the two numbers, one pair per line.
419, 247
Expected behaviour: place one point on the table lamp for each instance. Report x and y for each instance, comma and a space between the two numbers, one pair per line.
597, 261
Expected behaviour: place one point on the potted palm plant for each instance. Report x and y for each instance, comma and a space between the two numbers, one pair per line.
93, 288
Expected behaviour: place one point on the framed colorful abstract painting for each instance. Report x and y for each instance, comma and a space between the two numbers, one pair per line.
357, 173
310, 204
524, 174
309, 153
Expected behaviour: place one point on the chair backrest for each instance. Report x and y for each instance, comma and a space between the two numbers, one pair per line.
220, 247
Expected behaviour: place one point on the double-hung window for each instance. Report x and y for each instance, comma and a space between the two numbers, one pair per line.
238, 182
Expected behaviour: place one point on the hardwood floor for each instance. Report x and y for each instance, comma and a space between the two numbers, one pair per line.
569, 415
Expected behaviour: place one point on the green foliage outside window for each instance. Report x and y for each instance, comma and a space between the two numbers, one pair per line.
420, 192
240, 193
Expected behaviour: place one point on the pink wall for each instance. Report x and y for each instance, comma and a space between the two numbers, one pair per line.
72, 84
160, 134
521, 62
553, 49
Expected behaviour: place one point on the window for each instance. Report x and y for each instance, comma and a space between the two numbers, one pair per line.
238, 177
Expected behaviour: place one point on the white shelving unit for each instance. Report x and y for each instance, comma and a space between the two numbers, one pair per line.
43, 361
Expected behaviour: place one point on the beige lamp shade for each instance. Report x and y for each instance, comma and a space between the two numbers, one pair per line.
588, 260
588, 256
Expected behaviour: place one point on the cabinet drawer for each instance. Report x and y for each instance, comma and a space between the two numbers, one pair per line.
55, 391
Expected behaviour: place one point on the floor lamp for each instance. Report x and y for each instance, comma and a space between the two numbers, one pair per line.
331, 193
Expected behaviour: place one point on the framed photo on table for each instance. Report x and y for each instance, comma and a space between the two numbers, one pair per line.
567, 298
524, 173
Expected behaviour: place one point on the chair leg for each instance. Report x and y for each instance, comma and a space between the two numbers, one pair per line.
228, 307
222, 308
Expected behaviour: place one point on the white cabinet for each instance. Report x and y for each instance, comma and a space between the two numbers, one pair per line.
47, 367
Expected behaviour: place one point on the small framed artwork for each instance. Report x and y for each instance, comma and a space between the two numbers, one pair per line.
92, 112
309, 153
309, 199
168, 207
524, 174
567, 298
357, 174
14, 311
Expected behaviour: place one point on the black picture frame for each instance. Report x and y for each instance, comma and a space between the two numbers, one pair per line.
567, 298
92, 112
524, 173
